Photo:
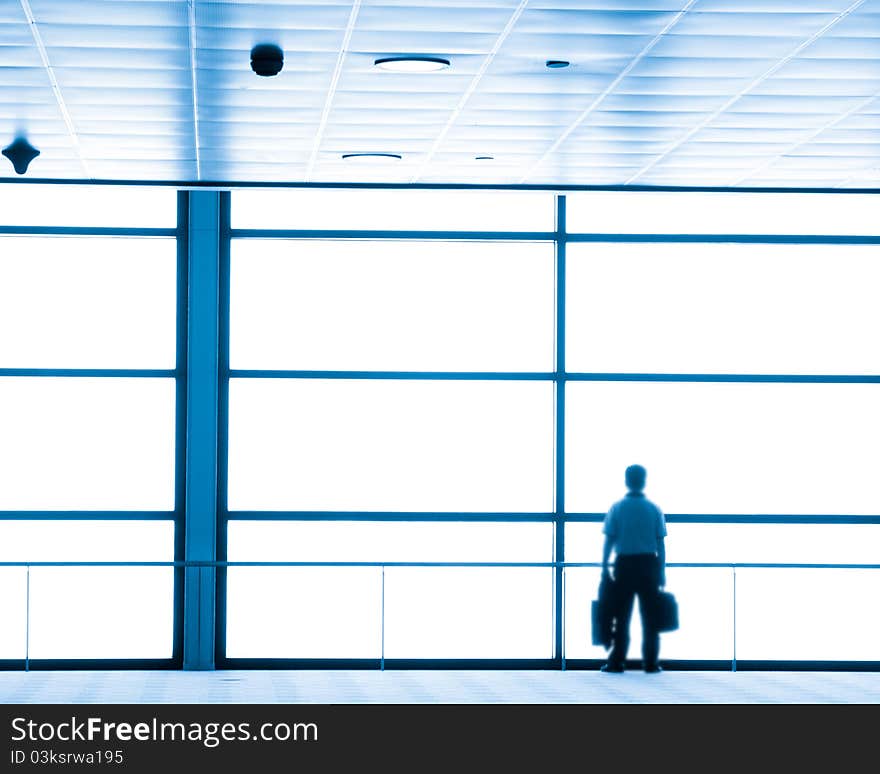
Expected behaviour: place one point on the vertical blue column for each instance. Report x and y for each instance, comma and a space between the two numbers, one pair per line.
201, 427
559, 521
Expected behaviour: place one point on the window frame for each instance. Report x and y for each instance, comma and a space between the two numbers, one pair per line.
178, 232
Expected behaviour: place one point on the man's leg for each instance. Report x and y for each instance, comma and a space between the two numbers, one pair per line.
649, 579
650, 636
625, 595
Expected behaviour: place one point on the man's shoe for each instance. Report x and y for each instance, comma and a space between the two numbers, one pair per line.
611, 668
653, 670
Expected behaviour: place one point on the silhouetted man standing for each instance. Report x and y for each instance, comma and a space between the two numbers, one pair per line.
635, 528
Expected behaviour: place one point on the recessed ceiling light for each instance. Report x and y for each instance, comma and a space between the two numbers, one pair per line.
412, 64
557, 64
366, 158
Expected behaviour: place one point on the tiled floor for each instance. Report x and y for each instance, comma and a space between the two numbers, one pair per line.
438, 687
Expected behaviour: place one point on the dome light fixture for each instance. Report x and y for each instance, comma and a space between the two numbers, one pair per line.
21, 153
557, 64
267, 59
370, 158
412, 64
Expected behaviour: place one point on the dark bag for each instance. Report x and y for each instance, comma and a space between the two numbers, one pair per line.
602, 616
665, 612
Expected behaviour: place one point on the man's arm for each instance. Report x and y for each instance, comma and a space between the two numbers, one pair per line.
661, 559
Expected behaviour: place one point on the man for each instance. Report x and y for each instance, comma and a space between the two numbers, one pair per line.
635, 528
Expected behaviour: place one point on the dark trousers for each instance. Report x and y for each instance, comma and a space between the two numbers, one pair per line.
635, 574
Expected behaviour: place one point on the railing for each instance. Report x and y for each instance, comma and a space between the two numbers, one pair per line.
382, 566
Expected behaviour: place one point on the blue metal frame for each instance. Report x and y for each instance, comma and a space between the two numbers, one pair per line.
563, 187
560, 237
223, 428
559, 430
203, 331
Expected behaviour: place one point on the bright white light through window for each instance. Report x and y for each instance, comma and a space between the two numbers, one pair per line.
423, 210
86, 443
389, 541
444, 612
103, 206
87, 612
722, 308
404, 306
713, 448
328, 444
87, 302
687, 212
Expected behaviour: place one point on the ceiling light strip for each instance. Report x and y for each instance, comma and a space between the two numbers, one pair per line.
742, 92
808, 139
56, 90
608, 90
508, 28
331, 92
191, 13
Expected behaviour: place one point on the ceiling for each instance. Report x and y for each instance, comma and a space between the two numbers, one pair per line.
658, 92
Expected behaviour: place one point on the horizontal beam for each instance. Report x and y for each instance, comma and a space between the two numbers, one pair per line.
87, 515
493, 236
148, 373
427, 516
770, 239
228, 185
250, 373
387, 516
549, 236
490, 565
87, 231
745, 518
242, 373
750, 378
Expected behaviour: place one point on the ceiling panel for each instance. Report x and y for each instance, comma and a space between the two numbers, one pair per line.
658, 92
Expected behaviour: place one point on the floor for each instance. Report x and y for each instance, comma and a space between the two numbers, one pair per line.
438, 687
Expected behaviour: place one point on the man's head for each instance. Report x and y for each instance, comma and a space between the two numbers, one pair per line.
635, 478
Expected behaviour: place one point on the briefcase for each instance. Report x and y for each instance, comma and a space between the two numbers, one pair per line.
602, 617
665, 612
602, 623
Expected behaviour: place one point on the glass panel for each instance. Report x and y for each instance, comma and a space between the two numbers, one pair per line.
446, 612
87, 612
404, 306
746, 543
389, 541
406, 210
725, 448
87, 302
56, 540
807, 614
722, 308
101, 612
774, 543
705, 600
687, 212
82, 205
325, 444
13, 612
86, 443
304, 612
